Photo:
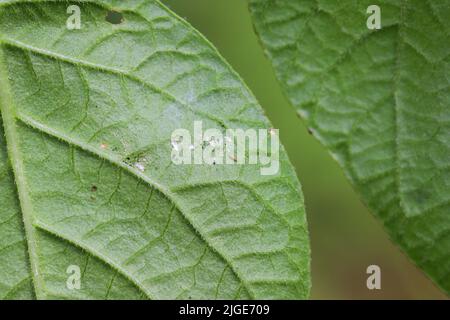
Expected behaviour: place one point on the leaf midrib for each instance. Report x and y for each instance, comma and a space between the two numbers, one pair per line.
17, 166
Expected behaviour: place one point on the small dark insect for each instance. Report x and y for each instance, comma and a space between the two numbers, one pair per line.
94, 188
114, 17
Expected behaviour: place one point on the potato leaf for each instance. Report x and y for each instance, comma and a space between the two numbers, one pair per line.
87, 185
379, 100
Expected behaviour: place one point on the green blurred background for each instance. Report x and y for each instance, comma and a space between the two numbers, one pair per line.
345, 237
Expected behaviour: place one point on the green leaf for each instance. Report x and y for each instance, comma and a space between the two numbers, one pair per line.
379, 100
87, 116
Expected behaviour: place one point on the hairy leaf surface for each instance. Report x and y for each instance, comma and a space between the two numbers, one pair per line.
86, 175
379, 100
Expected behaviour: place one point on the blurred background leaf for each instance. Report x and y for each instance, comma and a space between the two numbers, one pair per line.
345, 237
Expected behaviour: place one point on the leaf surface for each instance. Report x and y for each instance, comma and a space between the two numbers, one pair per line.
379, 100
87, 117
